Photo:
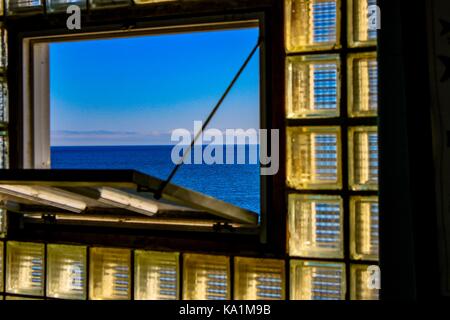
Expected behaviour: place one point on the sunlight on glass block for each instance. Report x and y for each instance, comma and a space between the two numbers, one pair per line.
109, 273
3, 222
21, 298
25, 268
359, 31
1, 265
312, 24
314, 157
259, 279
364, 228
312, 86
363, 158
103, 4
206, 277
315, 226
4, 157
313, 280
156, 275
360, 284
3, 100
363, 85
24, 6
66, 271
62, 5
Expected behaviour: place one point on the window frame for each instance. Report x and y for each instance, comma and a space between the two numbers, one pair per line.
270, 240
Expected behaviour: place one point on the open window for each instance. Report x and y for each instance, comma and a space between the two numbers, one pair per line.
63, 182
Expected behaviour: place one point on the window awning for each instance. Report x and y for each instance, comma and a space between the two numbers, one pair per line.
126, 193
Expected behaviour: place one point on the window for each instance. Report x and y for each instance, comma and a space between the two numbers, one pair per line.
78, 124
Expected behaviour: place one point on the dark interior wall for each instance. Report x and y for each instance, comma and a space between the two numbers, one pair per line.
409, 243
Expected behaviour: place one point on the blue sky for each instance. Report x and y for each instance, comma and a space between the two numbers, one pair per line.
135, 91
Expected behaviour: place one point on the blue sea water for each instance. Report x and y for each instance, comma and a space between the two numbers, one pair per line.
238, 184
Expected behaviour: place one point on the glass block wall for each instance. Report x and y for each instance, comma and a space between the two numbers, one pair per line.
332, 181
332, 148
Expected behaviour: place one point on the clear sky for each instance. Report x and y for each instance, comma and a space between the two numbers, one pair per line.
135, 91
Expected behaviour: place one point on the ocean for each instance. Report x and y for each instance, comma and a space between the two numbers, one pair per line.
238, 184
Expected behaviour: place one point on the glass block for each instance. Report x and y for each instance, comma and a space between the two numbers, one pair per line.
360, 280
104, 4
20, 298
312, 24
359, 32
314, 158
3, 222
313, 280
25, 268
363, 85
3, 101
1, 265
66, 271
25, 6
109, 273
313, 86
206, 277
363, 158
3, 48
62, 5
259, 279
4, 156
315, 226
156, 275
364, 228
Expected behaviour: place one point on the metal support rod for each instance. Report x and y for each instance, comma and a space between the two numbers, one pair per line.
159, 192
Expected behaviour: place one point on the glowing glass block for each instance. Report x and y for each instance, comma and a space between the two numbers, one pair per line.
109, 273
259, 279
363, 158
62, 5
206, 277
25, 268
312, 280
360, 284
364, 227
1, 266
315, 226
4, 158
359, 31
66, 271
363, 85
20, 298
3, 222
101, 4
24, 6
314, 157
312, 86
3, 101
312, 24
156, 275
